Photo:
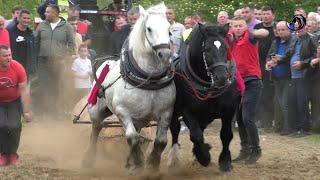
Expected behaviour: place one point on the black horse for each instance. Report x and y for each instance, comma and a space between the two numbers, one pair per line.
206, 90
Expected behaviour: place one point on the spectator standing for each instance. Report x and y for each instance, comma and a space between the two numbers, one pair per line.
248, 15
119, 22
84, 27
82, 72
4, 34
282, 50
265, 110
73, 21
244, 49
257, 14
300, 83
188, 22
196, 18
176, 30
56, 42
14, 102
22, 42
237, 13
42, 8
222, 18
15, 14
315, 98
120, 36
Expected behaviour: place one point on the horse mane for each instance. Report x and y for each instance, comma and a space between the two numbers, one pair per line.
137, 36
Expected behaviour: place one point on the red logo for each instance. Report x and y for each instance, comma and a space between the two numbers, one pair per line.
6, 82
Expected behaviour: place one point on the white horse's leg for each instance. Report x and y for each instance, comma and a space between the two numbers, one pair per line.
160, 142
135, 158
97, 113
174, 154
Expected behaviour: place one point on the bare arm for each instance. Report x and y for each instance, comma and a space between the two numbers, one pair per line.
25, 99
260, 33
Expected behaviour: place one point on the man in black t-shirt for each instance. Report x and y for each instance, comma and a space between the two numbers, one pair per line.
265, 110
22, 42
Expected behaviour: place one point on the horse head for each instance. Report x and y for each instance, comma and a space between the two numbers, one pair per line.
209, 49
150, 35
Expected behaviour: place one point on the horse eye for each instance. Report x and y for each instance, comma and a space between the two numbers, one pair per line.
149, 29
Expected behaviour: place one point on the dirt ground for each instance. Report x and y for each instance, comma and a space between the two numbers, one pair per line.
53, 150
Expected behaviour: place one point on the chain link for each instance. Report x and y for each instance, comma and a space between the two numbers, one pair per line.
209, 73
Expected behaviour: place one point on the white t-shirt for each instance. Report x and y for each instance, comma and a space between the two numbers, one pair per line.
82, 67
54, 25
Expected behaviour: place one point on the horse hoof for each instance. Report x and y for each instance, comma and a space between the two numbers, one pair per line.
202, 154
227, 173
153, 165
226, 168
174, 157
134, 170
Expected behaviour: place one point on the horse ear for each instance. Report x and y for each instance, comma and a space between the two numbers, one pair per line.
223, 30
202, 28
142, 11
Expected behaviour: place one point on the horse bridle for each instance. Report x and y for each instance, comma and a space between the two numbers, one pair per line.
158, 46
211, 67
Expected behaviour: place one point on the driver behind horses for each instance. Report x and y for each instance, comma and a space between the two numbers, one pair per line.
244, 49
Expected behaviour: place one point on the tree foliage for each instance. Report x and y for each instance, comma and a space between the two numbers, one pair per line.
210, 8
6, 6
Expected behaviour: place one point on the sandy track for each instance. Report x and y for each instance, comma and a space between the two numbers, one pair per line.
54, 151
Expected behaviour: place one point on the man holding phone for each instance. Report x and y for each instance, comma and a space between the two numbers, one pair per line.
278, 61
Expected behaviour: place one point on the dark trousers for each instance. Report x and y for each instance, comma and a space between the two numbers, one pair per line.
248, 131
299, 103
10, 126
48, 90
315, 103
282, 97
265, 111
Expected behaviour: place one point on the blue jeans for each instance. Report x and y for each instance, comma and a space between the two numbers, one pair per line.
299, 103
248, 130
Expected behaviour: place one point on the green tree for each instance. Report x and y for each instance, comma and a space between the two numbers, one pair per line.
6, 6
210, 8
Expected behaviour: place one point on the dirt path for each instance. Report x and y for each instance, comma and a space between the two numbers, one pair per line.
54, 151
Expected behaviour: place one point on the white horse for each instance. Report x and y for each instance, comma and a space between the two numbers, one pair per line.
134, 105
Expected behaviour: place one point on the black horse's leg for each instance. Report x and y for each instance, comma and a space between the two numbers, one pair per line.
174, 155
226, 136
200, 149
160, 142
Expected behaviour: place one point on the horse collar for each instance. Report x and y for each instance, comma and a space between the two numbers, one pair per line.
137, 77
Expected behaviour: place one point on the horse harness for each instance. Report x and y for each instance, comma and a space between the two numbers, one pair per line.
134, 75
203, 90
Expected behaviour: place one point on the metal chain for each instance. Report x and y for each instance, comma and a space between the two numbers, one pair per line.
206, 65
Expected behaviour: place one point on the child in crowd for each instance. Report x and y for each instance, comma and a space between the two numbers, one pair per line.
82, 72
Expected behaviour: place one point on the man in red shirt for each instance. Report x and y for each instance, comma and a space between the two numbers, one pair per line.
14, 101
244, 49
4, 34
